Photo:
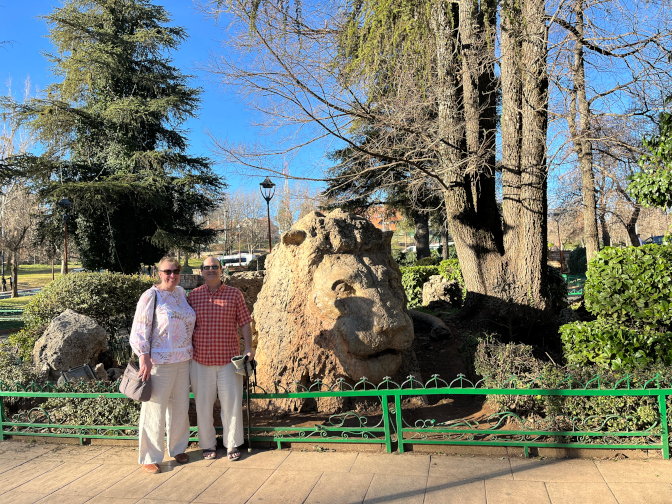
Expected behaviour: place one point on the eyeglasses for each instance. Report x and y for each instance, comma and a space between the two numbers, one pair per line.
213, 267
170, 272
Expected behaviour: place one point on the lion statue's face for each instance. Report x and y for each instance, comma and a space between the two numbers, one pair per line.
362, 303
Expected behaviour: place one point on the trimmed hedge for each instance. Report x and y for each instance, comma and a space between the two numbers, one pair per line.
578, 262
629, 290
108, 298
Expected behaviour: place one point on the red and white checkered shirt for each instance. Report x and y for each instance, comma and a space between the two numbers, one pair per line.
218, 316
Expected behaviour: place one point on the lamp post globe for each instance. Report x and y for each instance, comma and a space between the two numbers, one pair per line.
267, 189
66, 205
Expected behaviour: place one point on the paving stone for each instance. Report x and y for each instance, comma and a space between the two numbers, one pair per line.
152, 501
655, 471
515, 492
64, 499
18, 450
140, 483
563, 470
448, 490
118, 455
397, 488
97, 481
57, 478
407, 465
16, 497
642, 493
6, 465
74, 454
340, 488
315, 461
470, 468
187, 484
236, 485
571, 493
287, 487
23, 473
111, 500
269, 459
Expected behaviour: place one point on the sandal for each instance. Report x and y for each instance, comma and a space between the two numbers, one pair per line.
210, 454
233, 455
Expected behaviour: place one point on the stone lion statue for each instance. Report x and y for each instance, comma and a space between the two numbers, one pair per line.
331, 306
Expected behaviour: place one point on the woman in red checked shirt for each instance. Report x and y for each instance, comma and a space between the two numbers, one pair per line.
220, 311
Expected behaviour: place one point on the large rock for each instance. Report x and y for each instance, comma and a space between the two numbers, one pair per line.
249, 283
71, 340
437, 289
331, 306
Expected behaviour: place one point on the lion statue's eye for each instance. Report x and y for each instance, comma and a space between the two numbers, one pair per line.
342, 288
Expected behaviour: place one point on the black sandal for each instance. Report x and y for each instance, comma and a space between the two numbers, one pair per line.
233, 455
210, 454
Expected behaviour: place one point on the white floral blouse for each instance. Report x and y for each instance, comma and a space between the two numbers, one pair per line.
168, 338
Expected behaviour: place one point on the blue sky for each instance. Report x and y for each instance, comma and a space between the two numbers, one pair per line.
220, 113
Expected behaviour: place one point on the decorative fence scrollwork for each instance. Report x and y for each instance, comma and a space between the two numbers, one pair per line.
391, 423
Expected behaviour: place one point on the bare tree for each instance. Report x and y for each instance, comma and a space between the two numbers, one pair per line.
425, 81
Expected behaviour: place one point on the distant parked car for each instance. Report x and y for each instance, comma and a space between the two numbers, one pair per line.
658, 240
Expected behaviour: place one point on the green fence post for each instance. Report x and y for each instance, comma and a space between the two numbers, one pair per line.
2, 419
400, 425
386, 422
663, 423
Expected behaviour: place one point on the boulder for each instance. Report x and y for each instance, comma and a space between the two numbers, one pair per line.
437, 289
249, 283
70, 340
113, 374
331, 306
100, 372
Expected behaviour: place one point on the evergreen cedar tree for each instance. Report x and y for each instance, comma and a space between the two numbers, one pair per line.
111, 133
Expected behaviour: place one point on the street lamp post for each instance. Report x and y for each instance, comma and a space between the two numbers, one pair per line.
267, 190
240, 257
66, 205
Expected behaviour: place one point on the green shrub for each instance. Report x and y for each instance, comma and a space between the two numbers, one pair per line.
630, 292
25, 339
615, 347
108, 298
428, 261
257, 264
577, 262
404, 258
499, 361
93, 411
412, 279
632, 286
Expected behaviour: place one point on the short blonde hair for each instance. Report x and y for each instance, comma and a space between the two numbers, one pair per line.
170, 259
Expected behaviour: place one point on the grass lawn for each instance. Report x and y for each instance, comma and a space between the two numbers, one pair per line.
13, 303
32, 276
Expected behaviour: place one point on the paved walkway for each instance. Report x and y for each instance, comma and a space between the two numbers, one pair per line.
101, 474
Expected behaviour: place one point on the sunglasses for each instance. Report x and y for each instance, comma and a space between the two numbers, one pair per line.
170, 272
213, 267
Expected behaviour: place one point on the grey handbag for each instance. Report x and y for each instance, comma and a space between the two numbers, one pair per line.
132, 386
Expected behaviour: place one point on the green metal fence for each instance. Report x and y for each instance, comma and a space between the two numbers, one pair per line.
575, 284
392, 424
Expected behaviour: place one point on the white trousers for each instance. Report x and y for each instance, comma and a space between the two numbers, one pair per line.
208, 382
166, 411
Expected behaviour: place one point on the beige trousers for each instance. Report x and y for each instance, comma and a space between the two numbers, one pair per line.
208, 382
166, 411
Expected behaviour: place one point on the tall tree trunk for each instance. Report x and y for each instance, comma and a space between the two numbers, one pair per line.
511, 124
445, 248
15, 273
421, 220
606, 236
583, 144
631, 226
531, 263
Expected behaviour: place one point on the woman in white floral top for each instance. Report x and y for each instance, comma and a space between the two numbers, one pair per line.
161, 338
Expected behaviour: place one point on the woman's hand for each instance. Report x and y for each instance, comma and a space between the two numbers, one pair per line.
145, 367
